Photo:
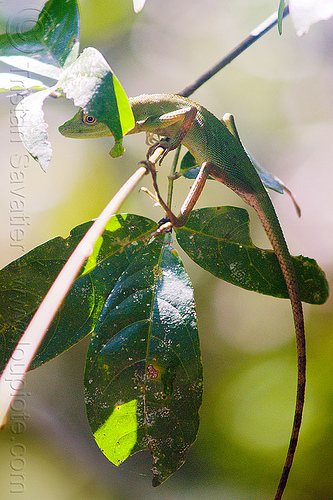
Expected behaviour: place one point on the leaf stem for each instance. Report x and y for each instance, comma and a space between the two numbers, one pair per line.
36, 330
257, 33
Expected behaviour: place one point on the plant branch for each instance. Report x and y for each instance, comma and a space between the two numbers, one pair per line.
35, 332
257, 33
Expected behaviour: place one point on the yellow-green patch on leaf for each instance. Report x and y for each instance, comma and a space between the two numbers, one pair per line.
118, 435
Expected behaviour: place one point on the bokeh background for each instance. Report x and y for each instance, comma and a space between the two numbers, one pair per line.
281, 93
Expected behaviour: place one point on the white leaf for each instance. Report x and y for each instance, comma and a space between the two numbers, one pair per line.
80, 79
10, 81
33, 128
138, 5
32, 65
304, 13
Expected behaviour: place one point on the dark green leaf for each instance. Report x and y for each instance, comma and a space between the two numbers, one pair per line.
143, 374
266, 177
218, 239
102, 97
110, 105
25, 282
188, 166
52, 38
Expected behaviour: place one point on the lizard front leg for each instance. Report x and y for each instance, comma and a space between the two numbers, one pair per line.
183, 117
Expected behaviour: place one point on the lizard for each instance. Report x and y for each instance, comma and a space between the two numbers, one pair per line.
216, 146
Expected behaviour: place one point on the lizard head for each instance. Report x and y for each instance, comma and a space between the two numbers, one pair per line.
86, 126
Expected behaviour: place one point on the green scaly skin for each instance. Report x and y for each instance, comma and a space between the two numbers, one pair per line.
223, 157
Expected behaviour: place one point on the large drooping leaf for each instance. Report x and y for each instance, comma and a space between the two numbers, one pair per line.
136, 295
24, 283
143, 374
218, 239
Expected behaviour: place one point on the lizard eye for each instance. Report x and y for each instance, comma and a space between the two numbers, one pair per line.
88, 119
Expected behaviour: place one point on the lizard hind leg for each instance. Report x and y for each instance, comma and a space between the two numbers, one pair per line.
190, 199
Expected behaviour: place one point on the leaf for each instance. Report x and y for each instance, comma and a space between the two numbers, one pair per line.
89, 81
82, 78
33, 128
189, 168
218, 240
25, 282
304, 13
268, 179
143, 374
143, 290
50, 41
282, 5
29, 65
138, 5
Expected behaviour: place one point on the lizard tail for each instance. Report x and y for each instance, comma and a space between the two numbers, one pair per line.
280, 248
269, 220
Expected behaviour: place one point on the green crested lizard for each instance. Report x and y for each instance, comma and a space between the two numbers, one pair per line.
215, 146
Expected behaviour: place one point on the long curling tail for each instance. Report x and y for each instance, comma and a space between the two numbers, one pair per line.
254, 194
278, 242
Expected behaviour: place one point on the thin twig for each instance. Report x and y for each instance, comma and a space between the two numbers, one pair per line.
257, 33
171, 176
36, 330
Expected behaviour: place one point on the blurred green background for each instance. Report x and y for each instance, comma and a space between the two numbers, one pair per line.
281, 93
